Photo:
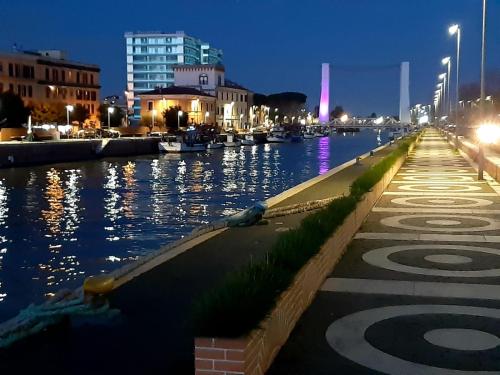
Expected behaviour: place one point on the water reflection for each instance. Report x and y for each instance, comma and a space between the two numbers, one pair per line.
4, 211
69, 220
324, 154
62, 219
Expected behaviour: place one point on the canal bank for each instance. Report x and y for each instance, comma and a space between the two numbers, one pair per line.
16, 154
154, 333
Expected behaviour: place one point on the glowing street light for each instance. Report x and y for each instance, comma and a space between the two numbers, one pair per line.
69, 108
110, 111
486, 134
344, 118
179, 115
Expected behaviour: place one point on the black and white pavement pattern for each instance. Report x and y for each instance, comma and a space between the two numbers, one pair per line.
418, 290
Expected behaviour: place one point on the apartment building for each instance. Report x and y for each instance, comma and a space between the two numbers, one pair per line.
151, 57
47, 76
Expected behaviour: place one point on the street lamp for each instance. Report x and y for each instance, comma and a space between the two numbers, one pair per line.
447, 61
153, 114
179, 114
69, 108
483, 58
276, 119
455, 29
110, 111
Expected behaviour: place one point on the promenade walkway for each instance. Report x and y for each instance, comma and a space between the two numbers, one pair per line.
418, 290
153, 334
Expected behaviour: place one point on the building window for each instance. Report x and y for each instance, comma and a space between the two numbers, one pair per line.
203, 79
11, 70
1, 67
91, 109
63, 76
241, 97
93, 96
150, 105
17, 69
77, 77
55, 75
91, 79
47, 92
47, 74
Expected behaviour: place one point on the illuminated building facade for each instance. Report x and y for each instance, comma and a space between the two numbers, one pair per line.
44, 77
151, 57
198, 106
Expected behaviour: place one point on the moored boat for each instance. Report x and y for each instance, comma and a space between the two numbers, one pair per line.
231, 141
248, 140
174, 144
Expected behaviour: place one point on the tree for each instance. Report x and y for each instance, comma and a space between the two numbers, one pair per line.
13, 112
80, 114
44, 113
115, 117
170, 116
337, 112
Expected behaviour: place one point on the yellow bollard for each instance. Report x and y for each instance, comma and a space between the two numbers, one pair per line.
100, 284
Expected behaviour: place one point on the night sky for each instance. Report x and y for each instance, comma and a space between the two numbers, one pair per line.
275, 45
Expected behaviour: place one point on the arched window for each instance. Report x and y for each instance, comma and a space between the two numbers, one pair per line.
203, 79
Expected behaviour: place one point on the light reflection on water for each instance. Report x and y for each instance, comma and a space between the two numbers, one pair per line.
63, 222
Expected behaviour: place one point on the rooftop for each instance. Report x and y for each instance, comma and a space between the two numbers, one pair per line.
233, 85
175, 90
218, 67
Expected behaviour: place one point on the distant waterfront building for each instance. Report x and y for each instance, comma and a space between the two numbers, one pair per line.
47, 76
192, 105
233, 100
152, 55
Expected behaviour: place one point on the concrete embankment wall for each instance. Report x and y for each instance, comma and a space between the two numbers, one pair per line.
15, 154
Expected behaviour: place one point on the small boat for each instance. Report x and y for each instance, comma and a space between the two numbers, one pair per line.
248, 140
174, 144
277, 135
231, 141
214, 145
308, 135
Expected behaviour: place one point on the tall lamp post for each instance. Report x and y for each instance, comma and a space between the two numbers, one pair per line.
455, 29
483, 59
110, 111
447, 61
69, 108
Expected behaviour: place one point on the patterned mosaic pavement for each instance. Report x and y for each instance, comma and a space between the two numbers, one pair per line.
418, 291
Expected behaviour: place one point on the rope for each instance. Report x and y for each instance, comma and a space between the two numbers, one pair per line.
298, 208
35, 318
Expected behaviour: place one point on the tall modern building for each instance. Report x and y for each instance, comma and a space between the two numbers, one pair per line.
151, 57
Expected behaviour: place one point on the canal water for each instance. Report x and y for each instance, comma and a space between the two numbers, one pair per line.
60, 223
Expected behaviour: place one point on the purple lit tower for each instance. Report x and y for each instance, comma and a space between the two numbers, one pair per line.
324, 113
